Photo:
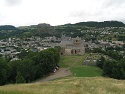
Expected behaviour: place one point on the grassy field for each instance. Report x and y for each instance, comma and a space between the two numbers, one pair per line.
78, 69
86, 71
69, 61
69, 85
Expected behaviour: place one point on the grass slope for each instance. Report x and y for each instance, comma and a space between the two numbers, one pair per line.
75, 64
86, 71
70, 85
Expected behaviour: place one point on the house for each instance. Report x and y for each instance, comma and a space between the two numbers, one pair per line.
72, 46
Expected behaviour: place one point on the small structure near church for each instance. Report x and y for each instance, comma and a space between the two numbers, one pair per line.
72, 46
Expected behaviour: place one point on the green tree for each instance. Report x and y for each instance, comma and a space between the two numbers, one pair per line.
20, 78
56, 52
97, 50
4, 71
30, 55
28, 69
122, 76
108, 67
100, 62
122, 68
114, 55
47, 61
14, 65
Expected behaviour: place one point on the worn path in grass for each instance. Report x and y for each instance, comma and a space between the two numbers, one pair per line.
62, 72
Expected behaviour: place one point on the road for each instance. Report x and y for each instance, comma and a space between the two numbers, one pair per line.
62, 72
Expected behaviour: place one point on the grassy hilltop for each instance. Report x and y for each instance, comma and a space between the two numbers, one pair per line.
70, 85
84, 80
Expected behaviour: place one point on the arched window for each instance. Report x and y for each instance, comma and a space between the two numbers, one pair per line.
75, 51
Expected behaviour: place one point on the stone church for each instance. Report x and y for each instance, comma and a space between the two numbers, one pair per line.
72, 46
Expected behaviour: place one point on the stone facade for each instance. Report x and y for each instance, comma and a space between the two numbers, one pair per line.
72, 46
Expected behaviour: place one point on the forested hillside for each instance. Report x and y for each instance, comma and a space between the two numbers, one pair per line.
41, 30
101, 24
7, 27
44, 30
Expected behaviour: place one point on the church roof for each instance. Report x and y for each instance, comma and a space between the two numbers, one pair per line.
67, 42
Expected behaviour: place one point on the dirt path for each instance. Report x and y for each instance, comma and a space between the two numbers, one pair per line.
62, 72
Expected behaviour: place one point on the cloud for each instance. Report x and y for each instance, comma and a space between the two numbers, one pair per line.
100, 10
55, 12
1, 18
113, 3
13, 2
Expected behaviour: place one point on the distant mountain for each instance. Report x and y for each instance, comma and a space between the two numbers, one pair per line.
41, 29
7, 27
100, 24
44, 30
74, 30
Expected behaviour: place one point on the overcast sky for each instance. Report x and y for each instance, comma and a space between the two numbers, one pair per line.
57, 12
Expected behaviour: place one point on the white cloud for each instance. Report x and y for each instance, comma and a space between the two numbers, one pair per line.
26, 12
12, 2
103, 10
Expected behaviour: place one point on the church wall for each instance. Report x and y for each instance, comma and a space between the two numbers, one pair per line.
69, 49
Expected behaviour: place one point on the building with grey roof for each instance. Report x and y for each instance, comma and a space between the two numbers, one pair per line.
72, 46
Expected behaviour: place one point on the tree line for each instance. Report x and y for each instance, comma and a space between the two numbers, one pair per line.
112, 68
30, 67
101, 24
113, 64
109, 52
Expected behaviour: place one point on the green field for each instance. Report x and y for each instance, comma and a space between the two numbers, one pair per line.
70, 61
86, 71
77, 67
